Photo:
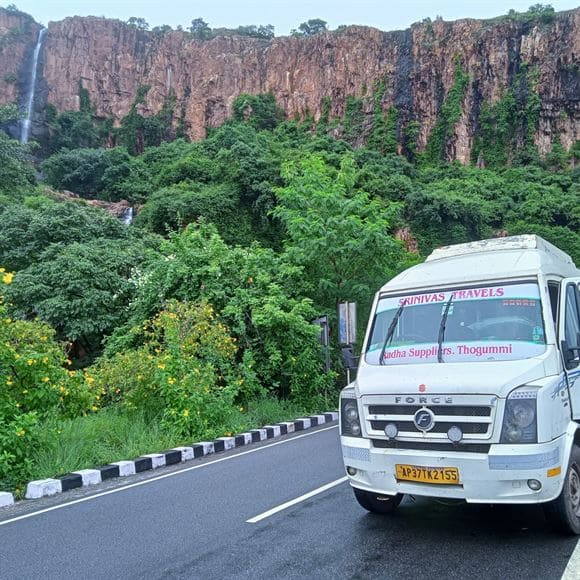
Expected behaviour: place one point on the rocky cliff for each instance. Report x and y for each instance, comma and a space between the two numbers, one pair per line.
18, 34
417, 68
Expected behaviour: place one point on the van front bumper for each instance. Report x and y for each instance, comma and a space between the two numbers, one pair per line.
500, 476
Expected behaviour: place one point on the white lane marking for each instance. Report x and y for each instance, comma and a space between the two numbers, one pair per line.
572, 571
294, 501
157, 478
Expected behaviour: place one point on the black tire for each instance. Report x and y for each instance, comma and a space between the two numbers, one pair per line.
377, 503
563, 513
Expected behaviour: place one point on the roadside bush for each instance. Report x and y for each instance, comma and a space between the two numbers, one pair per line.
253, 292
186, 372
34, 384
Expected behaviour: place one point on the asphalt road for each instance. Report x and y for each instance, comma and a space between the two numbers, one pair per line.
191, 522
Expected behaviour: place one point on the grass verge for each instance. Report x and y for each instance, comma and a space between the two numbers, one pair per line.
114, 434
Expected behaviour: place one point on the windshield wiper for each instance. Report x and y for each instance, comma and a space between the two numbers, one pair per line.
390, 332
442, 330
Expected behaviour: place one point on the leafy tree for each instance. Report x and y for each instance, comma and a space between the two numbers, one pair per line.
71, 130
27, 233
310, 28
545, 12
161, 30
260, 111
266, 32
90, 173
33, 385
138, 23
338, 235
82, 290
252, 292
200, 29
16, 171
173, 208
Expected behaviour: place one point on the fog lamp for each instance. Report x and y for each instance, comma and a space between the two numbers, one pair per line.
351, 470
455, 434
534, 484
391, 431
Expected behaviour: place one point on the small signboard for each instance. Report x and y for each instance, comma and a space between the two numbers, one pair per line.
347, 322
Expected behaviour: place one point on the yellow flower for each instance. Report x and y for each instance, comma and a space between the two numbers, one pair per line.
62, 389
186, 413
171, 380
94, 408
161, 366
9, 382
45, 360
7, 278
90, 380
30, 362
45, 379
242, 409
20, 432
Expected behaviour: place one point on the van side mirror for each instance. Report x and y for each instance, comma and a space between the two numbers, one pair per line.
568, 352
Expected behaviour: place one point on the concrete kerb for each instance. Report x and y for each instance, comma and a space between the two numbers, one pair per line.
86, 477
6, 499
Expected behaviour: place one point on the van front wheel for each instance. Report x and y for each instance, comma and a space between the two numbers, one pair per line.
377, 503
564, 512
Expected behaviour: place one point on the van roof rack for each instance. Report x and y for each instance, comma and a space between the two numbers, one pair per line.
523, 242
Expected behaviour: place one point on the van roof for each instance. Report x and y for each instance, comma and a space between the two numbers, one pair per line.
485, 261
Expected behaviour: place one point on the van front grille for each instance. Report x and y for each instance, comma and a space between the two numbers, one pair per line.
473, 414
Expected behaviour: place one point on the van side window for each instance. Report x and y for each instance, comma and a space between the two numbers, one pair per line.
572, 323
554, 292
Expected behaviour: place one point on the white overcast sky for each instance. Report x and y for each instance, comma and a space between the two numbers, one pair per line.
283, 14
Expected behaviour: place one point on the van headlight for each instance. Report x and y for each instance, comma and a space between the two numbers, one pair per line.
520, 423
349, 417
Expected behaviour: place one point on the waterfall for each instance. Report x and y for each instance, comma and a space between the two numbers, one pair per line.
127, 216
25, 125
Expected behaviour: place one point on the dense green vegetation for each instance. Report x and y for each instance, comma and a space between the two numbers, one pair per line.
195, 321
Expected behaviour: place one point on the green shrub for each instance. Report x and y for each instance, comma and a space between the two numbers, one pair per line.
186, 373
33, 385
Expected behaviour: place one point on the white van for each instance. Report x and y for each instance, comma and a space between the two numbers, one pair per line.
468, 384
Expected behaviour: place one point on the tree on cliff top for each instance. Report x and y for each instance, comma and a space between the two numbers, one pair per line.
138, 23
310, 28
200, 29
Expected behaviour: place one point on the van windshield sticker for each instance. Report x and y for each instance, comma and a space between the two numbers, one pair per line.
483, 324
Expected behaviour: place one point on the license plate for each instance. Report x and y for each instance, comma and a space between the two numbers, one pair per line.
437, 475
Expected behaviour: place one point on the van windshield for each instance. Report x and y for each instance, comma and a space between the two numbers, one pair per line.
491, 323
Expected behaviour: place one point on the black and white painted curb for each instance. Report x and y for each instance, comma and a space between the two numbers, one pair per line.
86, 477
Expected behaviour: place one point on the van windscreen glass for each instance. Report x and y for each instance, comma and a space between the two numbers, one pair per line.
491, 323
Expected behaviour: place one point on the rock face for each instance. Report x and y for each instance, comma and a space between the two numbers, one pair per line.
113, 60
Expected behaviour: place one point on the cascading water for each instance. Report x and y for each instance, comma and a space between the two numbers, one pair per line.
127, 216
26, 122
